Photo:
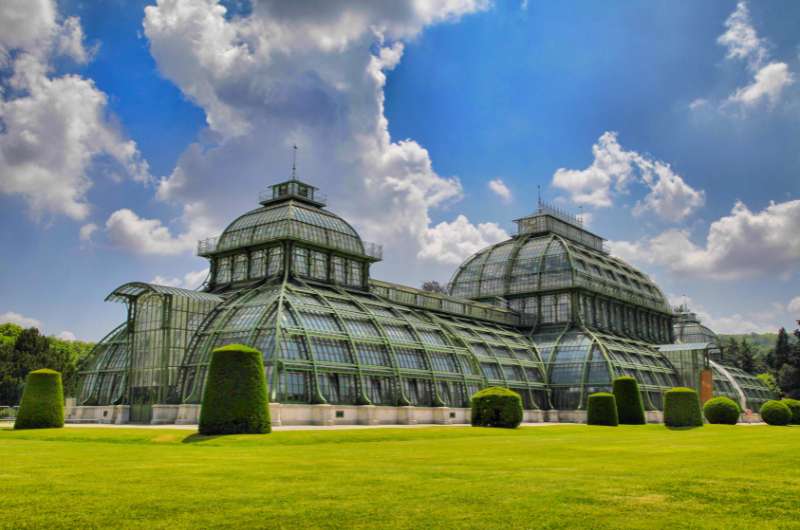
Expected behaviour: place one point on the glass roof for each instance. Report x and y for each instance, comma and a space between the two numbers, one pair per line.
546, 262
315, 330
135, 289
291, 219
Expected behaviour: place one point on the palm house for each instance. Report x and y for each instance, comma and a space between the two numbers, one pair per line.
548, 313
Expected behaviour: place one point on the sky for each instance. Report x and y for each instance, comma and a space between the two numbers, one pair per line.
130, 130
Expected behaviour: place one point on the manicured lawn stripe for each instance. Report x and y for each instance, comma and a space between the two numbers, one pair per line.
550, 477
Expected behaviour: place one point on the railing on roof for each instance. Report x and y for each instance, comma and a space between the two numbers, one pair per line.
208, 246
268, 195
564, 215
373, 250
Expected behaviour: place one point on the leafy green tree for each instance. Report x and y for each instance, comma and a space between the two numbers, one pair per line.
769, 380
746, 360
731, 351
782, 351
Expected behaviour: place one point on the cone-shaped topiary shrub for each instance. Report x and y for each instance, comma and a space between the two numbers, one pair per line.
682, 408
776, 413
721, 410
42, 404
496, 407
602, 410
235, 400
794, 407
629, 401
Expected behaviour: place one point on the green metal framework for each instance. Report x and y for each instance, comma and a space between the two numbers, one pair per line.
547, 313
326, 344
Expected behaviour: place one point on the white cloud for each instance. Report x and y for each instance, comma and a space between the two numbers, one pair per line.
451, 243
794, 307
741, 39
698, 104
743, 43
190, 280
768, 85
127, 230
763, 320
87, 230
54, 127
741, 244
614, 169
20, 320
500, 189
311, 75
66, 335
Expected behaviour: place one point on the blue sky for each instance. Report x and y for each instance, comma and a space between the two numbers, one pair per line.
127, 133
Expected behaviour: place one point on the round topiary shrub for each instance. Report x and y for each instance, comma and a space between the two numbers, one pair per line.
601, 409
776, 413
630, 408
235, 400
682, 408
42, 404
496, 407
794, 407
721, 410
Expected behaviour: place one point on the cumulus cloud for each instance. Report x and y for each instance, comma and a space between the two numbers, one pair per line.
741, 244
741, 39
20, 320
126, 230
614, 169
743, 43
87, 231
451, 243
768, 85
290, 73
66, 335
190, 280
766, 319
500, 189
794, 307
54, 127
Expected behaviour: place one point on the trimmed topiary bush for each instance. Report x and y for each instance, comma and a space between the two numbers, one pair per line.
42, 405
496, 407
235, 400
721, 410
601, 409
630, 408
794, 407
776, 413
682, 408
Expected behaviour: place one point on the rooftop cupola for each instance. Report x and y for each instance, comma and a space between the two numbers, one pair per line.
549, 219
292, 189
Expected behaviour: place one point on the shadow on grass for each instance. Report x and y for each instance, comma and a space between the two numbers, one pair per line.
687, 428
199, 438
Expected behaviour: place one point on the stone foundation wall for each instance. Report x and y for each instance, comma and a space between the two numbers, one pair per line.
293, 414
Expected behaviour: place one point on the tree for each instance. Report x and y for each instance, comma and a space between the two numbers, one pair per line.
789, 380
770, 382
746, 360
782, 350
433, 287
732, 352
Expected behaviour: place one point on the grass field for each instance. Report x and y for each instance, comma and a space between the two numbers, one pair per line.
548, 477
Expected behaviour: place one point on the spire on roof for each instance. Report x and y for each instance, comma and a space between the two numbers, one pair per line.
294, 162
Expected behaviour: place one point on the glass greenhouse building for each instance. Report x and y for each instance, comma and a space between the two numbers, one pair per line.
548, 313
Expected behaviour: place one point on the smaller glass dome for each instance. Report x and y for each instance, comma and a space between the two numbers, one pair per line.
292, 220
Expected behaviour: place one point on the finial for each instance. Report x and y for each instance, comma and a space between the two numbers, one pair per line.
294, 162
539, 194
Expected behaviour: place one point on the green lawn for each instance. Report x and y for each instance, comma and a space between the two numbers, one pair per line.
547, 477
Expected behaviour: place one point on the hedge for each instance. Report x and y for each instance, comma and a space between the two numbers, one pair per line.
235, 399
496, 407
602, 410
776, 413
630, 408
682, 408
722, 410
42, 404
794, 407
